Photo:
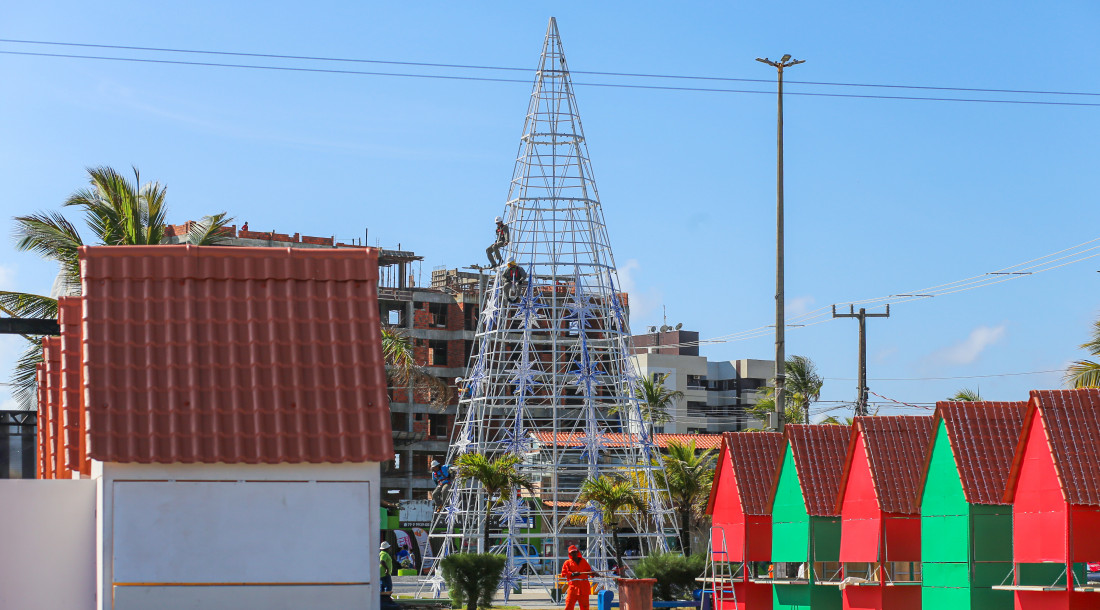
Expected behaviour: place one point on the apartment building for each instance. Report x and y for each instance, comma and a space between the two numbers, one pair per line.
715, 393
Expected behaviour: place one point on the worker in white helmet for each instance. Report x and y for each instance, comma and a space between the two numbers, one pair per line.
502, 240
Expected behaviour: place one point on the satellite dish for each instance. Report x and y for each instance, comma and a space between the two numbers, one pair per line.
679, 326
652, 329
665, 328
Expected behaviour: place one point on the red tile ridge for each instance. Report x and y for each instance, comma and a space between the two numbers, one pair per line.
992, 443
1068, 417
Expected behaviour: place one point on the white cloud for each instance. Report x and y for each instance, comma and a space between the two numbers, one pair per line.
798, 306
643, 301
969, 349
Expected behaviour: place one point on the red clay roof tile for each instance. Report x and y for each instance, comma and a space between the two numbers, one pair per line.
755, 457
51, 359
1072, 422
819, 452
74, 452
897, 447
983, 436
236, 355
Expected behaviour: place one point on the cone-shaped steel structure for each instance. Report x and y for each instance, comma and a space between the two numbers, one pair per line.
551, 378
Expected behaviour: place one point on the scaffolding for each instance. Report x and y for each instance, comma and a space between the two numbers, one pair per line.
551, 379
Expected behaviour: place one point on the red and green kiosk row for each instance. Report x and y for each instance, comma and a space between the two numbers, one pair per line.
983, 505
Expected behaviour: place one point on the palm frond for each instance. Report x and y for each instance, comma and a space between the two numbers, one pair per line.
25, 305
966, 395
1092, 346
51, 236
24, 377
1083, 374
210, 230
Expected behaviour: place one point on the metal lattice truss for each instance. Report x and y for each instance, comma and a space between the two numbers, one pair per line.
551, 379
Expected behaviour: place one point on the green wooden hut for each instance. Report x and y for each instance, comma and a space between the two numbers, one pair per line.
966, 527
806, 520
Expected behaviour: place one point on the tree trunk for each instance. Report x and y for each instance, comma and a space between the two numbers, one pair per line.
488, 510
618, 552
685, 531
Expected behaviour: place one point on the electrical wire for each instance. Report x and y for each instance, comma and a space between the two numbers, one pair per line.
517, 69
1029, 268
948, 378
526, 81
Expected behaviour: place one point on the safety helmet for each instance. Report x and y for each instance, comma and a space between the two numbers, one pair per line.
499, 219
511, 263
573, 549
385, 545
435, 463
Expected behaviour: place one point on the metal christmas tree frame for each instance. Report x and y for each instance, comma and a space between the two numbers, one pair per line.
551, 378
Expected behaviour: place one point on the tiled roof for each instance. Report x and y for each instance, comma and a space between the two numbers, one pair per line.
1072, 422
74, 450
983, 437
755, 457
576, 439
236, 355
49, 406
819, 452
897, 449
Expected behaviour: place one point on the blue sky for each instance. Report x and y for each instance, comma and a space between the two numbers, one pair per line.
883, 196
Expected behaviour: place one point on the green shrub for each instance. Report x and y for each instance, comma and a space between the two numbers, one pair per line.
675, 574
472, 578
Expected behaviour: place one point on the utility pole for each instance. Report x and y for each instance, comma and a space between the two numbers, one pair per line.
776, 422
861, 395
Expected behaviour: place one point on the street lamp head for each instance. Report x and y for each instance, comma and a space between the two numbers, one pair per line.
763, 60
786, 58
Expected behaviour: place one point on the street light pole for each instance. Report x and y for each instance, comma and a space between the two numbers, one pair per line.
776, 422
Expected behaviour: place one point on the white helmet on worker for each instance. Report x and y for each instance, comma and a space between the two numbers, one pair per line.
499, 219
385, 545
435, 463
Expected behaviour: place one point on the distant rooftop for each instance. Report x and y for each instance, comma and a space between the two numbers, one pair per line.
177, 234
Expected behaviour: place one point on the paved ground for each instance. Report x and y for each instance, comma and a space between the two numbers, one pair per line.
533, 597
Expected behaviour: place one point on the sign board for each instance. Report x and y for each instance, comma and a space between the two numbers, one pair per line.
416, 513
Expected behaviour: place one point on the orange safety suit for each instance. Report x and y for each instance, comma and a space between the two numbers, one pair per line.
579, 589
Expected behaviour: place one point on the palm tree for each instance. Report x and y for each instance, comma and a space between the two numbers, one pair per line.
803, 388
402, 368
654, 400
499, 478
1086, 373
118, 212
616, 497
966, 395
834, 420
688, 476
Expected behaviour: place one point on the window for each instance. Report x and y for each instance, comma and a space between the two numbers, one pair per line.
697, 407
438, 312
437, 353
470, 315
698, 382
438, 425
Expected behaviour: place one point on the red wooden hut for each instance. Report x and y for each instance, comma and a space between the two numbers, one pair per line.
1054, 488
879, 507
741, 527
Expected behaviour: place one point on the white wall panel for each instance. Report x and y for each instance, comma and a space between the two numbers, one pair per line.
47, 544
242, 532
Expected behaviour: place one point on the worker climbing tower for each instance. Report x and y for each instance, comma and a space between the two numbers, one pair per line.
550, 379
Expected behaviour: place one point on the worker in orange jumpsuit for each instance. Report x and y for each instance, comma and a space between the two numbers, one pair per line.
575, 571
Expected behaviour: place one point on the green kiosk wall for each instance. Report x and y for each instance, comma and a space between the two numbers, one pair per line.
804, 531
966, 533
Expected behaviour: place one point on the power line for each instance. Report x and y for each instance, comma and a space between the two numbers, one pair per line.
948, 378
527, 81
518, 69
1035, 266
